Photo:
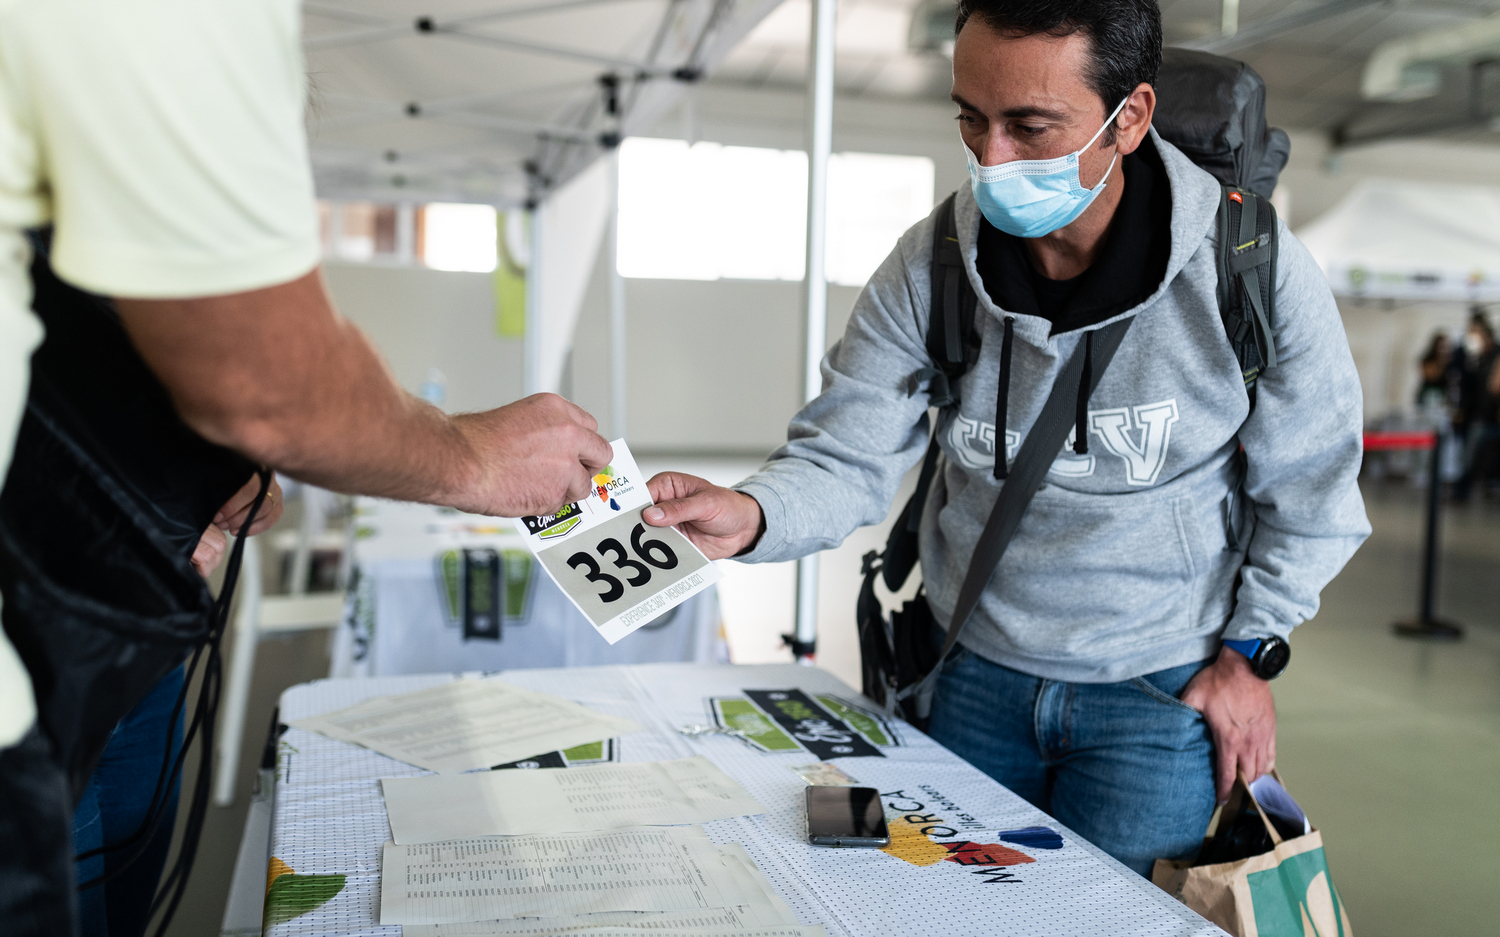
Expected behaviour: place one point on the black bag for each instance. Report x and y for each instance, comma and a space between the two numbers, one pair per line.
107, 495
1213, 109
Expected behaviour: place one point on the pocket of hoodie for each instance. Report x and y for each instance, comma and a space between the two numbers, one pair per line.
1083, 568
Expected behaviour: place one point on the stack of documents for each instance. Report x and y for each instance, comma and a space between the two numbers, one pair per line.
665, 879
467, 724
441, 807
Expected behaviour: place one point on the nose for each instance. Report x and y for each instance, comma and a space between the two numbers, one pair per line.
993, 148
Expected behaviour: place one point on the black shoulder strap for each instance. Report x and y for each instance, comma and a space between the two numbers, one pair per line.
953, 347
1247, 280
950, 323
1027, 473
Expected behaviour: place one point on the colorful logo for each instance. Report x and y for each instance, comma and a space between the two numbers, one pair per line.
605, 483
551, 526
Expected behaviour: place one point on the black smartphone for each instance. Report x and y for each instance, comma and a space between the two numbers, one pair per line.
846, 816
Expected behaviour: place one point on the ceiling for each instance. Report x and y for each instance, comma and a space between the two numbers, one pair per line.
1310, 52
503, 100
499, 101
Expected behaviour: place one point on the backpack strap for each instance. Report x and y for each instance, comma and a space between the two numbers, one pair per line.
1247, 280
954, 347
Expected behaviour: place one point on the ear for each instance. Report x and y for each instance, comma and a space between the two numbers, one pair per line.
1134, 118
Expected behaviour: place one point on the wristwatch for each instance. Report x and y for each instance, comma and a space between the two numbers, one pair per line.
1268, 656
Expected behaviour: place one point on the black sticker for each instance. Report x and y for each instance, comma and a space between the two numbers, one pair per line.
549, 760
812, 725
484, 599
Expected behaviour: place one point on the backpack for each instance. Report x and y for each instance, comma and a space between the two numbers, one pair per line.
1213, 110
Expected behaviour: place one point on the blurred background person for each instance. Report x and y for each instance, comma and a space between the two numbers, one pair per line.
1479, 396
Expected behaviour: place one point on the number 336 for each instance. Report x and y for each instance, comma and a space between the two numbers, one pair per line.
655, 552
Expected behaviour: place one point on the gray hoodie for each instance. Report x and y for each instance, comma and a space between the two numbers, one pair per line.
1121, 566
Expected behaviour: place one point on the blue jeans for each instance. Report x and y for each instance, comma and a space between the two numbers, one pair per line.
113, 807
1127, 766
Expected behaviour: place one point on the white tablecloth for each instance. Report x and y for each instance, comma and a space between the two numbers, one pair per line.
330, 820
404, 611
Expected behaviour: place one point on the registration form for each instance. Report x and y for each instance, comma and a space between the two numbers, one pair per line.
562, 800
759, 912
467, 724
492, 878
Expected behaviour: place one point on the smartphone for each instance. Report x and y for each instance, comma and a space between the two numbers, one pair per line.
846, 816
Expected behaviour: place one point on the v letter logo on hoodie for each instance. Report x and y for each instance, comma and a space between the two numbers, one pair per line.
1151, 424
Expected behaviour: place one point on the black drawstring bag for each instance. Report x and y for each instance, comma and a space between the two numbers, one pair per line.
107, 495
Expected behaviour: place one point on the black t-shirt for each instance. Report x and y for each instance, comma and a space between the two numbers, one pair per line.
1129, 268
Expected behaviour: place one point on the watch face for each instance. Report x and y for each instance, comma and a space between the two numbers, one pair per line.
1273, 658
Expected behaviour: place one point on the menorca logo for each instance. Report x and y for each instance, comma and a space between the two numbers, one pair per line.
1153, 422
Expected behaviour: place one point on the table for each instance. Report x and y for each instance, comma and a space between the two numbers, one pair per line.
404, 613
330, 819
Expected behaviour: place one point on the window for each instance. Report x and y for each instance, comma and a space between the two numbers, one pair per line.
459, 237
709, 212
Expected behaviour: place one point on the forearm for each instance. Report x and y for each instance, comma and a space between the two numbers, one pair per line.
279, 376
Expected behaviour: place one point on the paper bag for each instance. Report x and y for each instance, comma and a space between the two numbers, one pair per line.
1286, 892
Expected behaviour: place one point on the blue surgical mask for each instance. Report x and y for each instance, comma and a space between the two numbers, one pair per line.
1030, 198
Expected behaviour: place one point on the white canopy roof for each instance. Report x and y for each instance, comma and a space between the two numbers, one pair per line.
453, 100
1411, 240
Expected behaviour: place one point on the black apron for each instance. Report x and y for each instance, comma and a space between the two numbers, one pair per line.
107, 495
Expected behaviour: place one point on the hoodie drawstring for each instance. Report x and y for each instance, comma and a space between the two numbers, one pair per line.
1080, 429
1002, 401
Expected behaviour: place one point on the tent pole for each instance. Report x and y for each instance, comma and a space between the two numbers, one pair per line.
616, 306
531, 370
819, 145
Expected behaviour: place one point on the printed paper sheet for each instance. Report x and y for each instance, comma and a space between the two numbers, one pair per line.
467, 724
493, 878
759, 913
562, 800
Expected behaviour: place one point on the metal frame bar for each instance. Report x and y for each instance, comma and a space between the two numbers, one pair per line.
1263, 30
378, 28
819, 148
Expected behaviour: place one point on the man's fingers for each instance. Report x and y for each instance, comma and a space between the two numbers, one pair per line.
1225, 766
595, 452
672, 513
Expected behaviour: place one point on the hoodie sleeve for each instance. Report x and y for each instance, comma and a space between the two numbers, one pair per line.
848, 450
1303, 447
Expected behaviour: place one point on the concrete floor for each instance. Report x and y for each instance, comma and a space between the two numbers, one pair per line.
1392, 746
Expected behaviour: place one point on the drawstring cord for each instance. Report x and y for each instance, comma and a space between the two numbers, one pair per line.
1080, 430
1002, 401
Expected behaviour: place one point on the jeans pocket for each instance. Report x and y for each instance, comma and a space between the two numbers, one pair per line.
1146, 687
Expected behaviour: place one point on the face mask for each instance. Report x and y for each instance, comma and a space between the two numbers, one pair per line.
1028, 198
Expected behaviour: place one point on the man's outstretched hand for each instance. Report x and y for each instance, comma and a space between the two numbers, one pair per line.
534, 456
721, 522
1241, 714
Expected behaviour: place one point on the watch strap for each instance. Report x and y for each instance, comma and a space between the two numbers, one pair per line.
1247, 647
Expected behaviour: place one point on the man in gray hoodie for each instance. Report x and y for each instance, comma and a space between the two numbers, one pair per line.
1115, 671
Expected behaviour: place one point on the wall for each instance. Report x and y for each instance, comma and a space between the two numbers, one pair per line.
716, 366
422, 318
1386, 338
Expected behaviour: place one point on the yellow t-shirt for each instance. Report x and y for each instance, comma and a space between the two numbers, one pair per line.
164, 141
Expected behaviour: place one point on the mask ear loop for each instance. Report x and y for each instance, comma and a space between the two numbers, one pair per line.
1107, 122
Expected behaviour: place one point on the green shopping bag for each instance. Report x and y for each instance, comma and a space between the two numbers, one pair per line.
1285, 892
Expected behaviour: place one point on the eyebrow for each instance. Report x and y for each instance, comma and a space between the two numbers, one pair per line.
1015, 113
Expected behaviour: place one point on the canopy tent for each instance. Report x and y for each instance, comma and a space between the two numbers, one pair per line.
1392, 239
500, 102
510, 104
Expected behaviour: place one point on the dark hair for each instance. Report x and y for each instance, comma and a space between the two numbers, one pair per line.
1478, 320
1125, 36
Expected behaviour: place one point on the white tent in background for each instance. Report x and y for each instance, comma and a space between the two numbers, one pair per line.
1411, 241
